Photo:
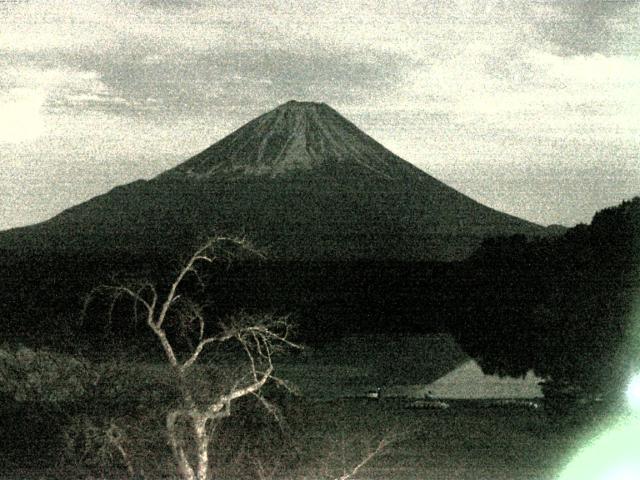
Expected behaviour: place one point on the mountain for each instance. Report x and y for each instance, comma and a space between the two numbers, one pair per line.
301, 181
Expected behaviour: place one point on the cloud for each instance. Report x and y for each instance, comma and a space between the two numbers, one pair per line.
240, 79
78, 26
31, 96
593, 70
25, 94
591, 26
22, 118
198, 53
30, 26
172, 4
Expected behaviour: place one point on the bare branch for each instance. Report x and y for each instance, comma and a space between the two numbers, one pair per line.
118, 291
135, 295
166, 345
137, 292
199, 256
288, 386
270, 333
114, 435
269, 407
383, 443
198, 350
225, 400
253, 363
254, 387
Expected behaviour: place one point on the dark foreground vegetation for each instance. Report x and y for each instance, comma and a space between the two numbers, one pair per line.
316, 440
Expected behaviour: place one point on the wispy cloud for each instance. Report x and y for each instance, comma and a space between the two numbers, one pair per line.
31, 97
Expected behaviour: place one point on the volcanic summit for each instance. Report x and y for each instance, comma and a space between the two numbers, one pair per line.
302, 182
298, 136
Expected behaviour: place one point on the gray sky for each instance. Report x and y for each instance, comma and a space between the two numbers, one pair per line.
530, 107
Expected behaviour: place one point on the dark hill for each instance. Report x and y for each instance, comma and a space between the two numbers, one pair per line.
301, 181
572, 315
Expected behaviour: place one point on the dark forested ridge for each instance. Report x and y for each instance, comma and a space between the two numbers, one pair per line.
565, 307
561, 306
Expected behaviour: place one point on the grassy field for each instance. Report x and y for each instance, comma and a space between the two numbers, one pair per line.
462, 442
329, 438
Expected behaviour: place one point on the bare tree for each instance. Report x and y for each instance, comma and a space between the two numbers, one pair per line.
369, 456
257, 336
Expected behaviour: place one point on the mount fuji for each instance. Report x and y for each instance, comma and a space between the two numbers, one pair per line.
302, 182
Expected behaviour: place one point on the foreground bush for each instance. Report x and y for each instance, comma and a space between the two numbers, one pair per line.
42, 376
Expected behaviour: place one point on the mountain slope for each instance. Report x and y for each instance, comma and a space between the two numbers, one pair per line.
298, 136
301, 181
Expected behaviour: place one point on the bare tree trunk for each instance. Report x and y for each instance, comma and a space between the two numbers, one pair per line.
202, 446
185, 471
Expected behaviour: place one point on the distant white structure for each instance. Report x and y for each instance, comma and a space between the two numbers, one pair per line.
469, 382
511, 402
405, 367
374, 394
428, 404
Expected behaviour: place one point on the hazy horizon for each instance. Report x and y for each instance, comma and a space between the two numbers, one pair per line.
530, 108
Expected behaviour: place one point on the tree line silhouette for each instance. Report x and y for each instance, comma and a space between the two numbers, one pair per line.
565, 307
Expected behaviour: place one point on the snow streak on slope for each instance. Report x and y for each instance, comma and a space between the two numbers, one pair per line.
298, 136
